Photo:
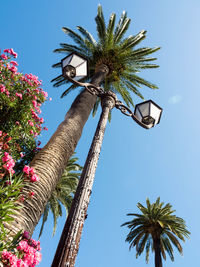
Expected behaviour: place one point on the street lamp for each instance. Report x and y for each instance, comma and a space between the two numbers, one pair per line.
74, 66
147, 114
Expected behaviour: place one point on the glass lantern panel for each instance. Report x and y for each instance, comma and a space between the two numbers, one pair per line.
81, 70
138, 115
76, 61
144, 109
66, 61
155, 113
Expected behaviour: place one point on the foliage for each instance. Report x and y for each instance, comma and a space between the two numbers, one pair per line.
20, 124
9, 194
119, 53
63, 193
24, 253
157, 222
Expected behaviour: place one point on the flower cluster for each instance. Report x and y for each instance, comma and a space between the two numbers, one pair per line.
21, 97
27, 251
30, 173
9, 163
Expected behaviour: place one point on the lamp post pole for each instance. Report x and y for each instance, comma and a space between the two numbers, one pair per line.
69, 242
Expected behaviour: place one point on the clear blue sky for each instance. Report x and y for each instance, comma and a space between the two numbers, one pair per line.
134, 163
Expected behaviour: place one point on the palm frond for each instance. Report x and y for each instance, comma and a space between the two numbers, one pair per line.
66, 92
44, 218
120, 24
101, 27
76, 37
110, 29
56, 65
132, 41
87, 35
96, 106
122, 30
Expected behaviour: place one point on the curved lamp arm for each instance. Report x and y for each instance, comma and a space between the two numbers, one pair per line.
126, 111
94, 90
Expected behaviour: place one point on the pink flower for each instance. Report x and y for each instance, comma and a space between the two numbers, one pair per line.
22, 198
38, 257
21, 155
45, 94
26, 169
6, 51
26, 234
34, 103
9, 162
2, 88
30, 123
4, 56
19, 95
50, 99
32, 171
34, 178
5, 254
12, 171
13, 69
23, 245
45, 128
31, 194
14, 63
13, 53
17, 123
6, 157
8, 166
0, 133
7, 93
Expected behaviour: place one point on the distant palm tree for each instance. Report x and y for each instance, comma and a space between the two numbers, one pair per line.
156, 228
114, 62
63, 193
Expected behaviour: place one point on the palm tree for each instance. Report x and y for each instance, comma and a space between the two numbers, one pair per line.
114, 61
63, 193
156, 228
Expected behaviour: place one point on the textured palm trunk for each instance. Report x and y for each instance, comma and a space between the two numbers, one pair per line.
51, 161
158, 259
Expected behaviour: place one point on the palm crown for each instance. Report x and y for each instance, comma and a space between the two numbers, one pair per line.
156, 224
116, 52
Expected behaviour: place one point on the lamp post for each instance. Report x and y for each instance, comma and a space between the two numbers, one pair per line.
147, 115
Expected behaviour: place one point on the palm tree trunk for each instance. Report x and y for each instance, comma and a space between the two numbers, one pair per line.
158, 259
51, 161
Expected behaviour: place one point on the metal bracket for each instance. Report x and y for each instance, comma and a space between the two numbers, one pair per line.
98, 91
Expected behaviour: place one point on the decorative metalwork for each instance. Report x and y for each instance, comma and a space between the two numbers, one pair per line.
98, 91
124, 109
